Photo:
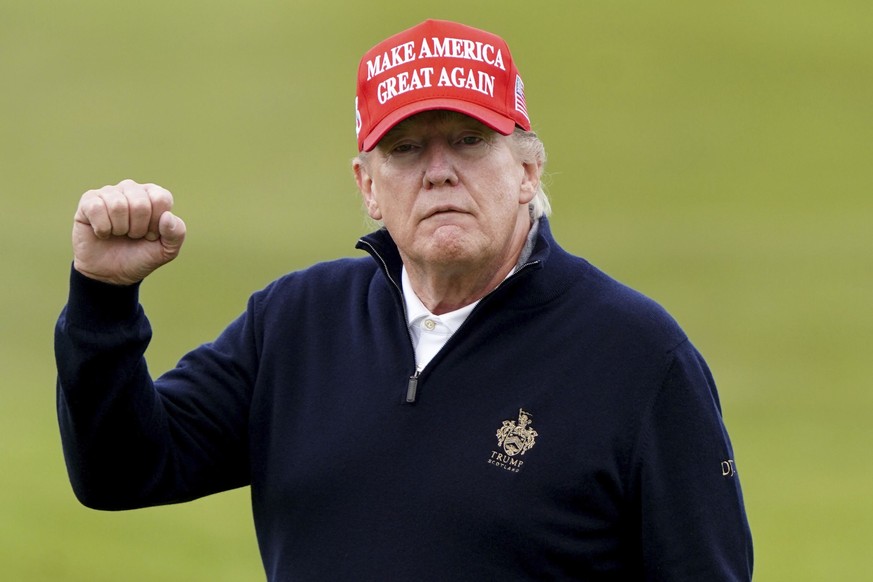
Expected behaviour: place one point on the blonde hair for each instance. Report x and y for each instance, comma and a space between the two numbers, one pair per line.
529, 148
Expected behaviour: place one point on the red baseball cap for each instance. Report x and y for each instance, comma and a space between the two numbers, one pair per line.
438, 64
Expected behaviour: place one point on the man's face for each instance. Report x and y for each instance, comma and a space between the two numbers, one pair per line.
450, 190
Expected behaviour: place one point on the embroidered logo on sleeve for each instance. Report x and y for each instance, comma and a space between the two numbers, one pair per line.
728, 469
514, 438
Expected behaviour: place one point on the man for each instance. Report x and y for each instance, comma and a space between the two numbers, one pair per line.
471, 402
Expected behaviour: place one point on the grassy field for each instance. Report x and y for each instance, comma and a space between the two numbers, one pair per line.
714, 156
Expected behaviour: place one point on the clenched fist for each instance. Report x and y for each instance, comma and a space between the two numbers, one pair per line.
124, 232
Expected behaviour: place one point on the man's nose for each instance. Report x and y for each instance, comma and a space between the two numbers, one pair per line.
439, 167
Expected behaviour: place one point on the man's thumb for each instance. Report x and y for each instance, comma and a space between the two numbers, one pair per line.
172, 231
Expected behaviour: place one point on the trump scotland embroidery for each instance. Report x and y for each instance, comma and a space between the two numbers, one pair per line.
515, 438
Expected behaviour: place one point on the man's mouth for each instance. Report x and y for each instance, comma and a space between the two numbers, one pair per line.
444, 210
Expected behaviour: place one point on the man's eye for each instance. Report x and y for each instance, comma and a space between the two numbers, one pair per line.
469, 140
403, 148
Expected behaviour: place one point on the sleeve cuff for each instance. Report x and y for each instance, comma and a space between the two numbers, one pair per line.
92, 302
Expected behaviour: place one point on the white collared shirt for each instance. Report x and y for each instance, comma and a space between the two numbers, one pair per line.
429, 332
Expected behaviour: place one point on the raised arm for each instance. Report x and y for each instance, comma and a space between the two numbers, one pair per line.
130, 441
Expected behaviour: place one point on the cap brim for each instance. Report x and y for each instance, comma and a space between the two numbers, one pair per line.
499, 123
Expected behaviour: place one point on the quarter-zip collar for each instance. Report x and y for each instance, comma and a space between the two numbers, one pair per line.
382, 248
548, 284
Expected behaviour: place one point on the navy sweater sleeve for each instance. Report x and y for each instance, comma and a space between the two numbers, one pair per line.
693, 521
128, 441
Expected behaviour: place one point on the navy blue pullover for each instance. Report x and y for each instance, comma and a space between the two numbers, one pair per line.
568, 431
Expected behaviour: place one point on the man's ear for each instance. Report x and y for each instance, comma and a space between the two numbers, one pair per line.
530, 181
365, 186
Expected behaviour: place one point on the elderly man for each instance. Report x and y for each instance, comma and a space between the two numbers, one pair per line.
471, 402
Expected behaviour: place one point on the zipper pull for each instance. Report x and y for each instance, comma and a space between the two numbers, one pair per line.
412, 387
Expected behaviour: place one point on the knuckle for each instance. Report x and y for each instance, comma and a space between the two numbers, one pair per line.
160, 195
116, 205
140, 205
90, 203
91, 199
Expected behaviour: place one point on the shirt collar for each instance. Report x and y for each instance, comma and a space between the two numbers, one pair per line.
416, 311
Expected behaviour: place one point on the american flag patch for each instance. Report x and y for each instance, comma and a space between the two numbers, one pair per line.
520, 104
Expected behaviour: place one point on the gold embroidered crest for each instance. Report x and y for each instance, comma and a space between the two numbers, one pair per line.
517, 437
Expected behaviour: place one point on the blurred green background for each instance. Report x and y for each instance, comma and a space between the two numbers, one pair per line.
714, 156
